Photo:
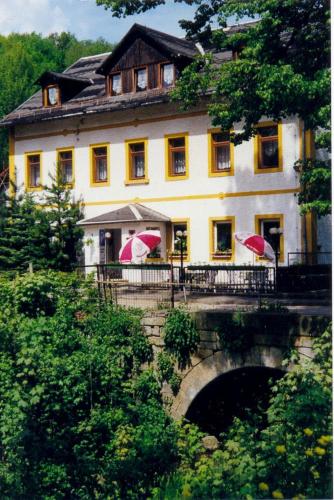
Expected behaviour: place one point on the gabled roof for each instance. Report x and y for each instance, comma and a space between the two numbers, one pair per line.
54, 77
173, 46
92, 99
133, 212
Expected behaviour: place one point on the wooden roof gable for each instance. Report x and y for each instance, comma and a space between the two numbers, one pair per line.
142, 45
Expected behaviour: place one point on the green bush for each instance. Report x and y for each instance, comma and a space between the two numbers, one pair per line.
79, 415
180, 335
283, 452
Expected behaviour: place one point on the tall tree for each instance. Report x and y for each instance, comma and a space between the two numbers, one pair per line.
25, 233
281, 69
63, 213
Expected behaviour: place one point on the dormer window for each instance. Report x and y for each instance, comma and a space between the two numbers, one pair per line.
52, 96
140, 79
115, 84
167, 75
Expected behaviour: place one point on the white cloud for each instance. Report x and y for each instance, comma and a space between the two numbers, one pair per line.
25, 16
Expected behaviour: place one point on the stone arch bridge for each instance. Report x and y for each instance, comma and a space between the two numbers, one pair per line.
272, 335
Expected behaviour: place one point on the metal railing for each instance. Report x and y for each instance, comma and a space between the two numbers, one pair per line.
161, 285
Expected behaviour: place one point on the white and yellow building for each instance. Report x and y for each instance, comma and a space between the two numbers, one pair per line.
137, 161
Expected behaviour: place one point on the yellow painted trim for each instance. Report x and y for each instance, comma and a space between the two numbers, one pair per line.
27, 187
91, 165
212, 222
211, 173
132, 123
280, 217
214, 196
64, 150
311, 232
258, 170
145, 180
180, 135
266, 192
11, 160
309, 144
184, 220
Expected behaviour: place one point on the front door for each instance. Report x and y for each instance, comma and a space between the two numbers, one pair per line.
114, 245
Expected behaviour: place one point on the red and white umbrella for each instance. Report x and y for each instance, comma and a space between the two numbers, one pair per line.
136, 248
256, 244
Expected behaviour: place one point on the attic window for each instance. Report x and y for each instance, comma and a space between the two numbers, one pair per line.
140, 79
115, 84
167, 75
51, 96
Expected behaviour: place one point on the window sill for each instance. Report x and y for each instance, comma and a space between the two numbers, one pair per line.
129, 182
268, 170
225, 173
222, 257
34, 188
154, 259
99, 184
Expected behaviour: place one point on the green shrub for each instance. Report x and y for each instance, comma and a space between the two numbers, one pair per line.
180, 335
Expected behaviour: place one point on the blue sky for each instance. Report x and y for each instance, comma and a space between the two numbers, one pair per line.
84, 18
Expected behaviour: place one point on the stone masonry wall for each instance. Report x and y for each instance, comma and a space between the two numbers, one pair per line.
273, 334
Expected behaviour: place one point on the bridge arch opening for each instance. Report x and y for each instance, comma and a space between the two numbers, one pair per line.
232, 394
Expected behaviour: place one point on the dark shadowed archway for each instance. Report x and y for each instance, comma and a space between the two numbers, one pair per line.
232, 394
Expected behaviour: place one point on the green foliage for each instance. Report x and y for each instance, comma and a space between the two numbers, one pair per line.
46, 238
62, 214
165, 365
79, 415
284, 452
24, 233
315, 179
180, 335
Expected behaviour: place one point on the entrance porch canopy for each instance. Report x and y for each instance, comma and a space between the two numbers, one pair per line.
134, 212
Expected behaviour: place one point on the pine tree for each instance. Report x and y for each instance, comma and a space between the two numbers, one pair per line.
63, 213
24, 233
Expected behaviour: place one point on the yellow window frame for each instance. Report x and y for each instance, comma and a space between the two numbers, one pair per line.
211, 171
93, 183
128, 179
27, 185
168, 175
278, 217
256, 141
66, 150
214, 256
182, 220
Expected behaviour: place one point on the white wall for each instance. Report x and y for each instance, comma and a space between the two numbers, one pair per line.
99, 200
